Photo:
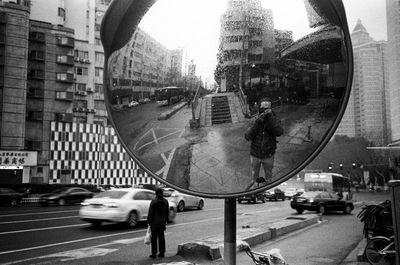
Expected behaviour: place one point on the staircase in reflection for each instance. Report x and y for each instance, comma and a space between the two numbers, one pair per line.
220, 109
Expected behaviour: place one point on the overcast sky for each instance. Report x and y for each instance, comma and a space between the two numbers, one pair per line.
195, 24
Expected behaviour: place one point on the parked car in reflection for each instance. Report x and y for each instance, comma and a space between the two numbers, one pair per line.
321, 202
182, 200
65, 196
125, 205
10, 197
253, 198
275, 194
133, 103
290, 192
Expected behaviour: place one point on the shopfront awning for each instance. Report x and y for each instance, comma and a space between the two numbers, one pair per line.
324, 46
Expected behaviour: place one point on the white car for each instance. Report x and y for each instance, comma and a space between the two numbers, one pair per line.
133, 103
125, 205
182, 200
290, 192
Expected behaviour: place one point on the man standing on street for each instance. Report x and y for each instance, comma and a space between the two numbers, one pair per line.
157, 219
263, 135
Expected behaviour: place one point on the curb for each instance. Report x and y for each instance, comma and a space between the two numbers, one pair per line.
212, 248
165, 115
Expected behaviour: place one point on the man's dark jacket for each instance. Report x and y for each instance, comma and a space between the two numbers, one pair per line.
158, 213
263, 135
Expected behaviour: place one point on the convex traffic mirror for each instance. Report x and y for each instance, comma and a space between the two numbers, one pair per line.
229, 98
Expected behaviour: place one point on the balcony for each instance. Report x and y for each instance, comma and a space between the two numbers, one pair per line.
64, 95
66, 41
65, 59
33, 145
36, 55
34, 115
34, 92
65, 77
36, 73
37, 36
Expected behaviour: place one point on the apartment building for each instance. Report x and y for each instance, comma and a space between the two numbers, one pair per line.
54, 121
367, 114
393, 66
142, 66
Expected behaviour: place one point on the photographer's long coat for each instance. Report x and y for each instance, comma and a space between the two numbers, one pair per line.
263, 135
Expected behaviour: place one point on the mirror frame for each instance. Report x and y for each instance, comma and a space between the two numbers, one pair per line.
120, 22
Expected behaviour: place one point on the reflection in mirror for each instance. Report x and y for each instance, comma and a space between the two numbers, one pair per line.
246, 118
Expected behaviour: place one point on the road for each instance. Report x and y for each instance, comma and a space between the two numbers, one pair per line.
36, 234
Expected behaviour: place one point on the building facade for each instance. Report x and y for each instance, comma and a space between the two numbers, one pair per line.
393, 65
368, 114
247, 41
142, 66
54, 125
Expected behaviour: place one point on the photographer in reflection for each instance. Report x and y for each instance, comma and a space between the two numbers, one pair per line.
262, 135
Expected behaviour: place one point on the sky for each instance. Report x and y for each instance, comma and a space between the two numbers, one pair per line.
194, 25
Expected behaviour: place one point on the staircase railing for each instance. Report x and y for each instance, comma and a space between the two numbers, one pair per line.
195, 103
243, 102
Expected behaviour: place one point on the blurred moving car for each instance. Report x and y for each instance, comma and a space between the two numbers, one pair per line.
125, 205
275, 194
322, 202
10, 197
65, 196
290, 192
182, 200
253, 198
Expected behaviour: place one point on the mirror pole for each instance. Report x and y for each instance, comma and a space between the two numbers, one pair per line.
230, 232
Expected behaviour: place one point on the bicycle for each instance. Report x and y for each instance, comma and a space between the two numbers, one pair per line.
380, 250
271, 257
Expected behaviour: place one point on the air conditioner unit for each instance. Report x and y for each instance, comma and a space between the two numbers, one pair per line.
75, 109
89, 90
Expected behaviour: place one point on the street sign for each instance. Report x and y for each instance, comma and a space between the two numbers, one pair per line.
303, 92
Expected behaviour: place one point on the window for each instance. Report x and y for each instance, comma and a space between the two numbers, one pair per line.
81, 54
98, 41
98, 88
98, 72
65, 77
99, 57
33, 115
65, 41
80, 87
64, 95
61, 13
81, 71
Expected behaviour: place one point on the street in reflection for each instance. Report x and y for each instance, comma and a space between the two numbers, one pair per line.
193, 137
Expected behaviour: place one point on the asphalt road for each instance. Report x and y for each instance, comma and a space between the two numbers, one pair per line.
34, 234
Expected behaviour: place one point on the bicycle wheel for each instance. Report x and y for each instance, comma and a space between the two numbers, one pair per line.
373, 251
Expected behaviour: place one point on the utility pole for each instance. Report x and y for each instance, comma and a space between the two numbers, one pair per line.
243, 47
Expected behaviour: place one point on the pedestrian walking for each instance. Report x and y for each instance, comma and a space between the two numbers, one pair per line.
157, 219
262, 135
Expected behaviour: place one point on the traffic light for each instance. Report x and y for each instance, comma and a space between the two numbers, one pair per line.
330, 166
341, 166
354, 165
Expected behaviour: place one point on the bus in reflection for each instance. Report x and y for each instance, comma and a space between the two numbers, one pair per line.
169, 95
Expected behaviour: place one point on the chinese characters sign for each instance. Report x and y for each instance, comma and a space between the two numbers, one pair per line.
18, 158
